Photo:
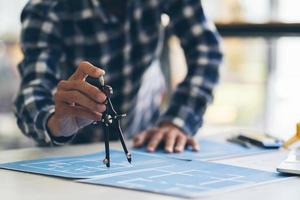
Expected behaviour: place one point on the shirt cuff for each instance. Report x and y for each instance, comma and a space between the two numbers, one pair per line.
43, 131
184, 118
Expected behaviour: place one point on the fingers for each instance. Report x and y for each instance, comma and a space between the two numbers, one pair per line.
170, 141
180, 143
156, 139
85, 88
139, 140
71, 97
76, 111
175, 140
194, 144
76, 91
143, 137
76, 101
86, 69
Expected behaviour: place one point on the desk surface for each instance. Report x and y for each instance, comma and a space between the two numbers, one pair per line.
17, 185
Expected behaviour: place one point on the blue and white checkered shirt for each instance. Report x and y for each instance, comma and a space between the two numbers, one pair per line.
58, 34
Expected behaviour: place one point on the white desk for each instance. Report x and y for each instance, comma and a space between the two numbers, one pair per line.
17, 185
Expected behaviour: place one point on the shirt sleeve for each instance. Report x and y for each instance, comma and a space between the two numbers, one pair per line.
201, 44
40, 41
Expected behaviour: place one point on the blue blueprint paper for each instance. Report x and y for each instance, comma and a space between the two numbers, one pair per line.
191, 179
147, 173
211, 150
86, 166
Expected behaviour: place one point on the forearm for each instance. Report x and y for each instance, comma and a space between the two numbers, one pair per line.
33, 106
39, 70
201, 44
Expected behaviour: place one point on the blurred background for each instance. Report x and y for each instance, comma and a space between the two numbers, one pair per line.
259, 78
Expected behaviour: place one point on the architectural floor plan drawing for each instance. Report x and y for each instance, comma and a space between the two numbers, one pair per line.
87, 166
190, 179
148, 172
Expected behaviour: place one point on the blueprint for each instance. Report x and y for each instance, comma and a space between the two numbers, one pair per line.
211, 150
86, 166
151, 172
189, 180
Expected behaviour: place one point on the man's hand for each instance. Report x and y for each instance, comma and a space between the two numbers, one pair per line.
77, 103
173, 138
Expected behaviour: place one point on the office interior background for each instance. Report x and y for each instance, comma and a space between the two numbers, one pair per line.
259, 79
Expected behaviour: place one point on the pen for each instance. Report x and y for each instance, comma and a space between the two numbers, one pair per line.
238, 141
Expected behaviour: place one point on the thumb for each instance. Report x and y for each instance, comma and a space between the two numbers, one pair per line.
87, 69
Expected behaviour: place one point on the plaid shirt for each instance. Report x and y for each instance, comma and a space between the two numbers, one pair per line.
58, 34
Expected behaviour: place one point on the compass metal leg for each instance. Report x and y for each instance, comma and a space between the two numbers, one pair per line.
106, 160
121, 137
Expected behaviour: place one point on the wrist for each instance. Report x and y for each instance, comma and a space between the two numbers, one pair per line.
55, 133
171, 125
53, 126
167, 124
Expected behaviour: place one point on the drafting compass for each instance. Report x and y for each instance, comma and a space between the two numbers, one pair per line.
111, 120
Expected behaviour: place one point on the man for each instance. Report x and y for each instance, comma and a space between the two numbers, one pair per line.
58, 98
